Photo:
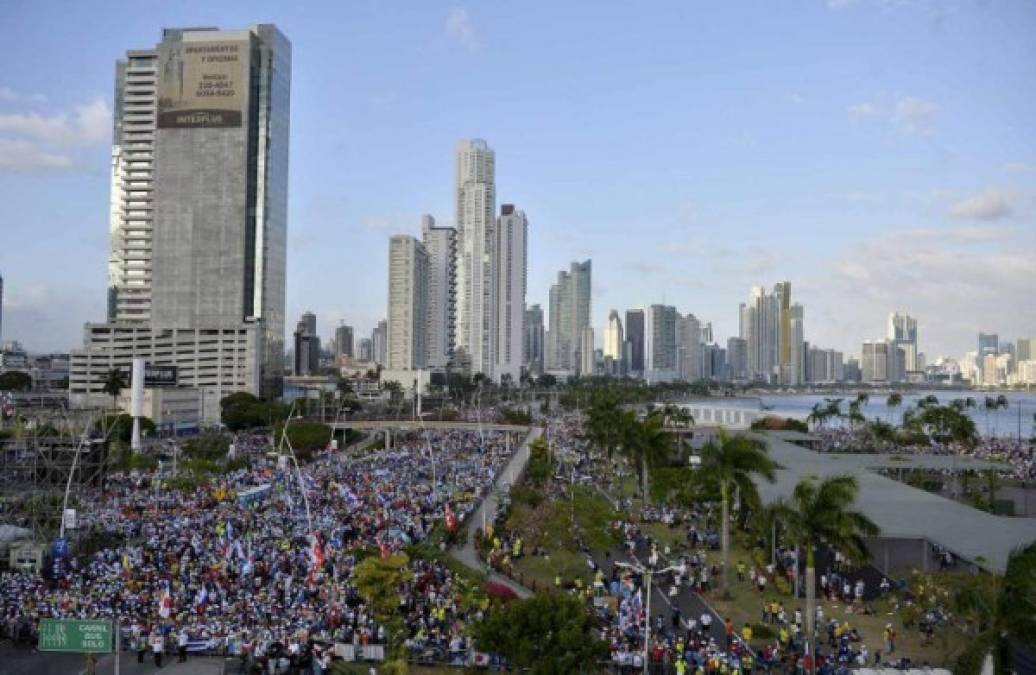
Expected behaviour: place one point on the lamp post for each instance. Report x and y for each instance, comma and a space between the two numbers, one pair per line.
646, 573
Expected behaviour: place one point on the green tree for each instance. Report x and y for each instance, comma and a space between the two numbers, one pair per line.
378, 581
894, 400
114, 383
550, 634
120, 427
1000, 610
604, 422
15, 380
941, 424
306, 437
822, 513
731, 462
646, 444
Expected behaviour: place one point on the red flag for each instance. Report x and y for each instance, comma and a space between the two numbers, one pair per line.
383, 549
451, 518
316, 557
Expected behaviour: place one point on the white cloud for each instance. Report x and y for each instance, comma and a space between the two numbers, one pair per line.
89, 123
460, 28
990, 205
24, 156
9, 95
840, 4
916, 116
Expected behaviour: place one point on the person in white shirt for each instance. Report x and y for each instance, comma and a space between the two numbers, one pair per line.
181, 645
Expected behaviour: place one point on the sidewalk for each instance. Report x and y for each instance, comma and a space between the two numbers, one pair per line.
489, 506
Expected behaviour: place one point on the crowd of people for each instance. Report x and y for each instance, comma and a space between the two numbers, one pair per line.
259, 563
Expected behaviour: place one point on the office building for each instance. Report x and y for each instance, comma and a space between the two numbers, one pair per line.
902, 330
534, 339
198, 210
475, 193
689, 339
307, 346
714, 362
440, 244
635, 338
569, 315
1024, 346
795, 371
613, 337
874, 361
758, 326
737, 358
510, 252
344, 341
988, 343
407, 304
660, 355
825, 366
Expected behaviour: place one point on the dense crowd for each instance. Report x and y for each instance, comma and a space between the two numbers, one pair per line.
237, 566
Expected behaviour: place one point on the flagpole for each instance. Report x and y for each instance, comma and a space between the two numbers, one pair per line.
298, 470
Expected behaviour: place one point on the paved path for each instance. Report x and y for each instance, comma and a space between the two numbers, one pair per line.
26, 661
488, 510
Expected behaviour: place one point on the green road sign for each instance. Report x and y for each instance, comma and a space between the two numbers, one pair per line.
71, 635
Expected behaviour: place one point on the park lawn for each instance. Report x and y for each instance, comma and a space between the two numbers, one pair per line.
746, 604
538, 573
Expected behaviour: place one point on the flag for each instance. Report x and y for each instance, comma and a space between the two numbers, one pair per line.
383, 549
451, 518
165, 602
202, 596
316, 557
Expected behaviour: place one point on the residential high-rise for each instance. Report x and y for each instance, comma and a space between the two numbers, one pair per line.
586, 352
689, 348
534, 339
569, 315
874, 361
510, 251
796, 369
307, 345
613, 337
635, 337
902, 330
737, 358
407, 304
660, 356
1025, 351
475, 193
785, 346
198, 213
440, 244
988, 343
343, 341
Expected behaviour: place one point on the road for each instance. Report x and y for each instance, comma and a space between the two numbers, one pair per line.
26, 661
487, 510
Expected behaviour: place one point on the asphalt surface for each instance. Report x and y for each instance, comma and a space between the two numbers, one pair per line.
27, 661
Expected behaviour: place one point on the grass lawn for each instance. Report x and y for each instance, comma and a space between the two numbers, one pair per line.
746, 605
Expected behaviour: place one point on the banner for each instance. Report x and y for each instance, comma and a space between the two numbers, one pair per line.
202, 84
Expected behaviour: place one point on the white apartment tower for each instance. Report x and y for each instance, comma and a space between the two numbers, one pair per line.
613, 338
475, 192
688, 348
902, 330
407, 304
510, 255
440, 244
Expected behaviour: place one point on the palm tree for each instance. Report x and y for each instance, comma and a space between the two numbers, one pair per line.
732, 461
114, 383
822, 513
894, 400
990, 404
817, 416
1002, 611
646, 444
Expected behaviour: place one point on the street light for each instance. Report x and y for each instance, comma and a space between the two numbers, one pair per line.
647, 573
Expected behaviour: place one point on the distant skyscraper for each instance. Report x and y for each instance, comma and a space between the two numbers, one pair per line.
569, 315
534, 339
407, 304
635, 337
379, 343
737, 358
198, 214
441, 245
660, 357
613, 337
343, 341
475, 189
510, 251
307, 345
1024, 345
988, 343
760, 324
365, 351
689, 337
796, 370
902, 330
586, 352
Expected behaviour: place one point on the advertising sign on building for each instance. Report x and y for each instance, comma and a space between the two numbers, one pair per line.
202, 84
159, 376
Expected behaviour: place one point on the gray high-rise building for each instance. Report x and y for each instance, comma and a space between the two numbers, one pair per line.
379, 343
689, 338
737, 358
407, 304
660, 353
569, 315
902, 330
343, 341
510, 278
440, 243
365, 351
635, 338
198, 215
534, 334
307, 345
988, 343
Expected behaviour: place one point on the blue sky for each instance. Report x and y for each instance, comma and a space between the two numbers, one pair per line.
879, 154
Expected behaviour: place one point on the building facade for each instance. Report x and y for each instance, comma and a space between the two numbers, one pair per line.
440, 244
660, 355
902, 330
635, 338
689, 348
407, 304
613, 337
510, 278
534, 339
569, 315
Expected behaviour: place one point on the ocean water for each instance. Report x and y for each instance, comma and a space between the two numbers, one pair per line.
1003, 422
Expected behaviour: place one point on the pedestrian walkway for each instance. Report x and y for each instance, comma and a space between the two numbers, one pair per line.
487, 510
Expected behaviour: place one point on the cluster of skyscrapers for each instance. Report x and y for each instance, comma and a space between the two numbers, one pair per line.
998, 362
456, 296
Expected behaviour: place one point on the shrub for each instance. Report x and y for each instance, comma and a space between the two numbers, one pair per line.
762, 631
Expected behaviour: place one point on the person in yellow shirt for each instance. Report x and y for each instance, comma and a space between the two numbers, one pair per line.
746, 633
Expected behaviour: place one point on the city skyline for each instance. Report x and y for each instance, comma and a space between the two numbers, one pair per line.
894, 193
